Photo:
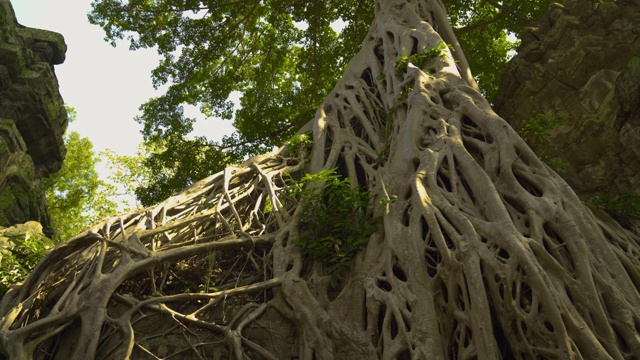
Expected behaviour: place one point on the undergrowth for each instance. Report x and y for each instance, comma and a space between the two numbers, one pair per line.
23, 254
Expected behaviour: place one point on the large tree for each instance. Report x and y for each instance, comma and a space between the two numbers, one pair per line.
449, 239
278, 58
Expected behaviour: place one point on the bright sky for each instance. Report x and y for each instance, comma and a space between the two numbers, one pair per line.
105, 85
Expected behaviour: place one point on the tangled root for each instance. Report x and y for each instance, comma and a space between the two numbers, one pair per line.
483, 251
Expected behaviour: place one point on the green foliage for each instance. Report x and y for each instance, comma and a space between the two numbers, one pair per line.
16, 263
212, 49
536, 131
209, 284
76, 197
603, 2
268, 206
300, 143
335, 223
554, 163
175, 162
623, 208
420, 58
127, 174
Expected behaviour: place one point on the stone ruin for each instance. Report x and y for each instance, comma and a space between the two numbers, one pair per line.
32, 118
582, 63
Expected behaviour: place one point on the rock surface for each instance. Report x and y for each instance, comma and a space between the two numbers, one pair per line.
32, 117
582, 63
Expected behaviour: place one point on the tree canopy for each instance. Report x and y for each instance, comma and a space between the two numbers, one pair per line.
282, 57
127, 174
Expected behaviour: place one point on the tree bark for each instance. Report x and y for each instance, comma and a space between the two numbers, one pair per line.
482, 252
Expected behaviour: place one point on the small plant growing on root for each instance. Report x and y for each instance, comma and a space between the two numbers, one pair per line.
420, 58
388, 128
335, 222
300, 143
536, 130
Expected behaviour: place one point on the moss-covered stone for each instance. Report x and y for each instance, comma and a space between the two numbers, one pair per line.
14, 205
582, 62
628, 89
53, 40
32, 117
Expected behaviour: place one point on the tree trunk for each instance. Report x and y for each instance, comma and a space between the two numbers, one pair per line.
481, 251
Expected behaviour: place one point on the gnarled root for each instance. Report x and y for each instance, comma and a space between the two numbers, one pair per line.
483, 252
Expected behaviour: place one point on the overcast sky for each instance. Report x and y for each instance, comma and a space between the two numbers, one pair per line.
105, 85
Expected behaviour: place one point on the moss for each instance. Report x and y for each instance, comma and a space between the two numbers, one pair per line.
634, 63
627, 90
4, 146
53, 39
10, 136
6, 13
15, 205
7, 204
19, 200
627, 83
608, 110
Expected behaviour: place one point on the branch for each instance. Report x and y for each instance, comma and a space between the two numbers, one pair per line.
256, 139
174, 10
476, 25
508, 11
